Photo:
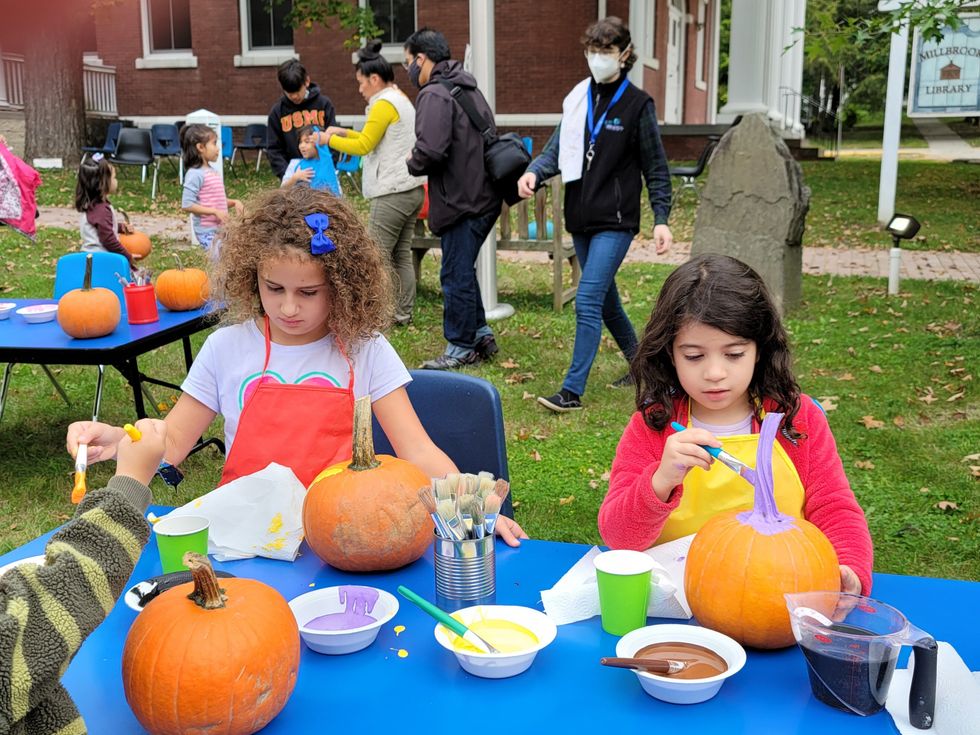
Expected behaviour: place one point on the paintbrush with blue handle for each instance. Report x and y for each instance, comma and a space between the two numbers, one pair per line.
733, 463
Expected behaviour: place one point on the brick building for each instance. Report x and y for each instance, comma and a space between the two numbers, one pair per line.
174, 56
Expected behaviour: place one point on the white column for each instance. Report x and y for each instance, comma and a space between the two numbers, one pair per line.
775, 59
714, 56
482, 47
796, 80
601, 9
639, 26
747, 60
893, 124
3, 80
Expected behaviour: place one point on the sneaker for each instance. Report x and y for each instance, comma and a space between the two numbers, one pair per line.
445, 362
487, 347
624, 382
561, 402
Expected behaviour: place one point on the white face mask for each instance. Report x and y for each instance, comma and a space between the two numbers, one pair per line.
604, 67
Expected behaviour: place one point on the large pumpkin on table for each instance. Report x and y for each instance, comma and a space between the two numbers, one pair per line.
204, 659
364, 515
183, 289
86, 312
137, 243
742, 562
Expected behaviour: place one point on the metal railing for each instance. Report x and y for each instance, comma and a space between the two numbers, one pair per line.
823, 128
99, 83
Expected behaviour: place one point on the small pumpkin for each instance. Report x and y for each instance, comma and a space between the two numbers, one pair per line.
364, 515
183, 289
204, 659
86, 312
137, 243
742, 562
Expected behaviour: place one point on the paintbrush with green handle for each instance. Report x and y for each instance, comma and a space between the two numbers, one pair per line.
447, 620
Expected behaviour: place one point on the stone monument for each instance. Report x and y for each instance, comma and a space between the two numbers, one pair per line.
754, 207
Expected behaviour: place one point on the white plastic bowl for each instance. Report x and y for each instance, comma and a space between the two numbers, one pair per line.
38, 313
5, 308
682, 691
499, 665
326, 601
39, 560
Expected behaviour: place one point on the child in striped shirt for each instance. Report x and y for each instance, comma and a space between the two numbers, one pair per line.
204, 190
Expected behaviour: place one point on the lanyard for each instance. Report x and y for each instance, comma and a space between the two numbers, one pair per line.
597, 126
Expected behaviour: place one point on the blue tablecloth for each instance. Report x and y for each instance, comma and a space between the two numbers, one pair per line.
565, 689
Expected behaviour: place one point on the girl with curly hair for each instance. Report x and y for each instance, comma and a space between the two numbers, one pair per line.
307, 292
715, 358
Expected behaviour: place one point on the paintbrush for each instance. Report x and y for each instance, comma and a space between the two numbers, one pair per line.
446, 508
491, 507
470, 506
650, 665
731, 462
81, 465
429, 502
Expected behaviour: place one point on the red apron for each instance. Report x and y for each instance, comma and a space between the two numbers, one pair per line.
303, 427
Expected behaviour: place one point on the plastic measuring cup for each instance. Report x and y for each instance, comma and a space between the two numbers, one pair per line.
851, 645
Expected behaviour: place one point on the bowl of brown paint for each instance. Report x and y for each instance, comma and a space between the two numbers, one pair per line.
710, 658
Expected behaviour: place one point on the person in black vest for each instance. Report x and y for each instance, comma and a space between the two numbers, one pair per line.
463, 204
607, 140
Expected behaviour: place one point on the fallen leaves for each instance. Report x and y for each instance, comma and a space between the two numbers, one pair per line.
536, 455
566, 501
829, 403
870, 422
875, 369
864, 464
945, 505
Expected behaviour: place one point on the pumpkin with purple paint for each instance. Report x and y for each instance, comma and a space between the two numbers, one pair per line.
742, 562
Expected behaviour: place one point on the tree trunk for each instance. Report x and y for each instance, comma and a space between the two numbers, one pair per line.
54, 99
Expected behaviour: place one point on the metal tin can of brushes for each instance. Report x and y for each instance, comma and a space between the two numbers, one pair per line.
466, 572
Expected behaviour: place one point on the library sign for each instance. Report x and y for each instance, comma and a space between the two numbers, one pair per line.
945, 76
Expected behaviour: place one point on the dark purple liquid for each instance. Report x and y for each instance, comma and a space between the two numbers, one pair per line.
855, 680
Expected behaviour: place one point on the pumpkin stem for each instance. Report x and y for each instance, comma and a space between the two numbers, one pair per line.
363, 458
87, 281
207, 593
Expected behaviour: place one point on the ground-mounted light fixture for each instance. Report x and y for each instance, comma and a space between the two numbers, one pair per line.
901, 227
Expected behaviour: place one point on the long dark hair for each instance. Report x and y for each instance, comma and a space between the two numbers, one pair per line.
92, 187
726, 294
190, 136
370, 61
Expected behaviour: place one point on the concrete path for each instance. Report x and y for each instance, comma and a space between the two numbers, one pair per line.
923, 265
944, 142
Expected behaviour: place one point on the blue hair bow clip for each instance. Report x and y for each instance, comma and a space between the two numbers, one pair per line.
97, 157
320, 243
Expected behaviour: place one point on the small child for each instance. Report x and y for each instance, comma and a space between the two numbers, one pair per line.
97, 222
715, 358
47, 611
204, 191
307, 292
316, 167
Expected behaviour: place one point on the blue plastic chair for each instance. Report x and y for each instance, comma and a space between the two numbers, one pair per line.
254, 139
165, 140
107, 148
528, 143
463, 416
70, 272
348, 165
227, 147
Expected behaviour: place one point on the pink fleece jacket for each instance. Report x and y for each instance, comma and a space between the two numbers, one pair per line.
28, 180
632, 516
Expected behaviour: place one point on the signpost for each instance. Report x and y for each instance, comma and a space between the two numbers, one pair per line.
945, 76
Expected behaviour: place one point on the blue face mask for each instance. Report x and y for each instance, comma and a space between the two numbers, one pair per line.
413, 73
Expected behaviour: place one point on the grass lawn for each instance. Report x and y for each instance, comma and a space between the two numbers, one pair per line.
868, 134
897, 376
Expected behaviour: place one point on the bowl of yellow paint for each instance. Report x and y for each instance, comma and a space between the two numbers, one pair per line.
517, 632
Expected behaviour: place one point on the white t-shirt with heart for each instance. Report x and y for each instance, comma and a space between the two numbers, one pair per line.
229, 367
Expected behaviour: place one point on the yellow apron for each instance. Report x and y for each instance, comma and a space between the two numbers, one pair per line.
707, 493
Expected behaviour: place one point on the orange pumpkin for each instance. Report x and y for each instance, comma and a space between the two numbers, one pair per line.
364, 515
136, 243
86, 312
204, 659
742, 562
183, 289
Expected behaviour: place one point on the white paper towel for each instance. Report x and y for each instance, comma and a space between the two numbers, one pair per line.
257, 515
576, 595
957, 697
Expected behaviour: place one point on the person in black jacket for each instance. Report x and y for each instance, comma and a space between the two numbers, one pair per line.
463, 204
301, 104
605, 147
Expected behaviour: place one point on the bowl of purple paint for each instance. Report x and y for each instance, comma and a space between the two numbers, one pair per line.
344, 619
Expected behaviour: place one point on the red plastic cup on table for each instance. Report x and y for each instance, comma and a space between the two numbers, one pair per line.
141, 304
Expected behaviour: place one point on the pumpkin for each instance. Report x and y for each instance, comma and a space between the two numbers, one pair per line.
88, 312
204, 659
364, 515
137, 244
183, 289
742, 562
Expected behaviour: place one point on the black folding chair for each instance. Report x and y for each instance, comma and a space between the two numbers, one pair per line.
135, 148
107, 148
254, 140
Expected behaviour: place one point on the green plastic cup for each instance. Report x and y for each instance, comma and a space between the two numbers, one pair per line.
176, 536
624, 589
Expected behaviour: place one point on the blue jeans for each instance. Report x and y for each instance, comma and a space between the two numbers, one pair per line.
463, 319
597, 302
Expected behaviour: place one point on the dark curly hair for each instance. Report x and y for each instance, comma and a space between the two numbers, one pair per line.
610, 33
726, 294
356, 273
